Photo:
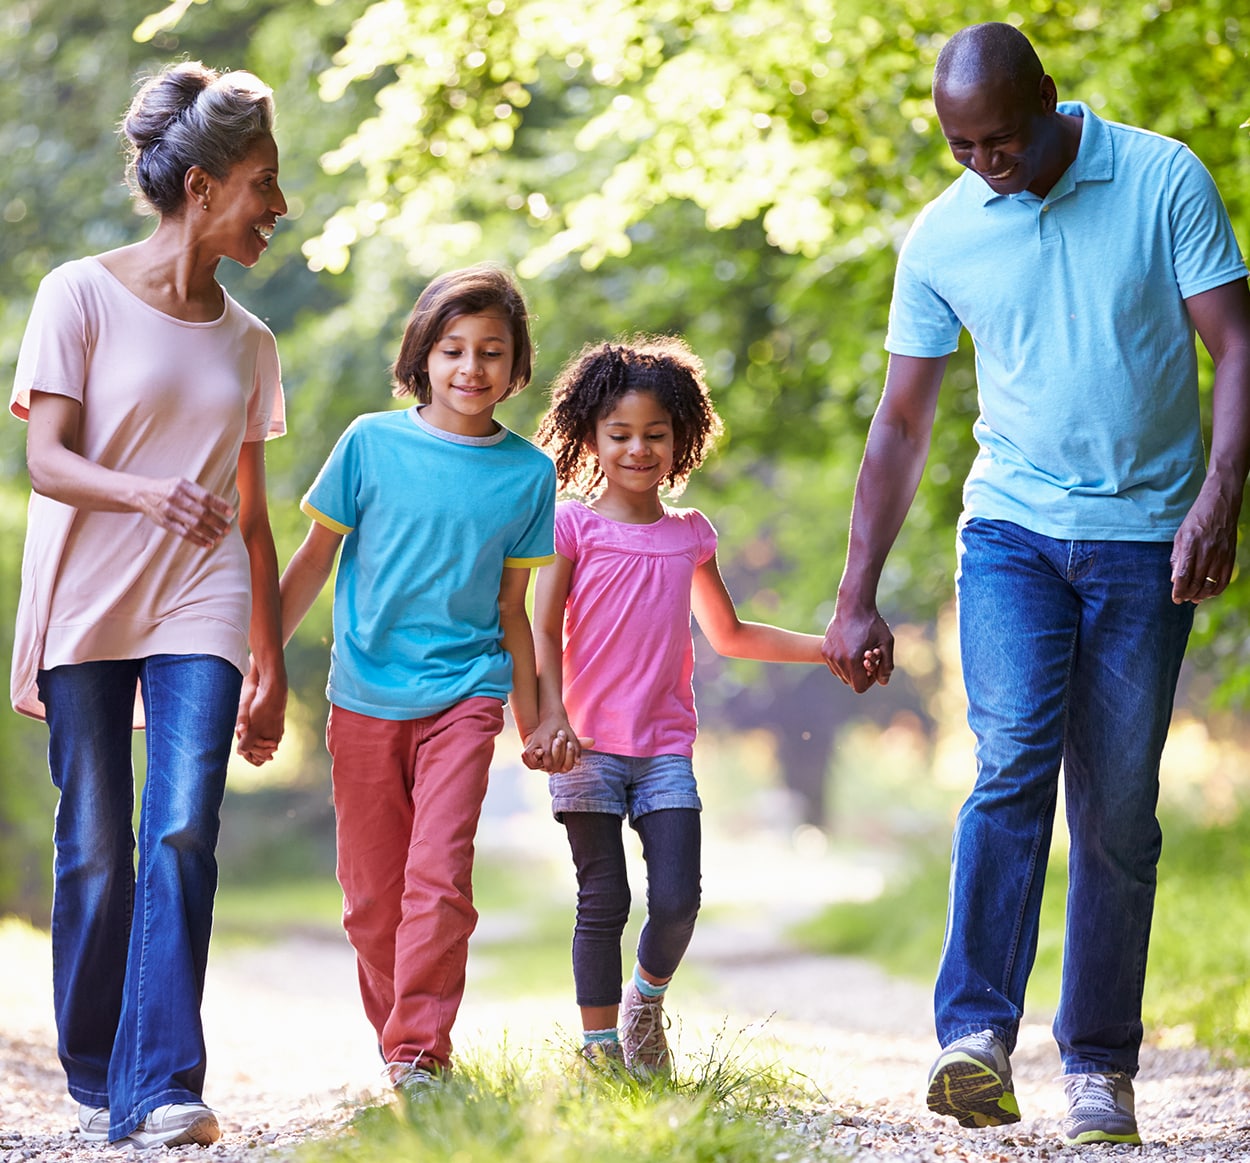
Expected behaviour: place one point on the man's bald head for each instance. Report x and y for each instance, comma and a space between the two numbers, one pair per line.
988, 54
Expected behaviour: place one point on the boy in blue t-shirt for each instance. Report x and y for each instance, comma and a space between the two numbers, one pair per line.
441, 513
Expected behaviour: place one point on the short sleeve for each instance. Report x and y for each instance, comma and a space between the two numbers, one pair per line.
567, 529
536, 544
266, 407
705, 537
1205, 253
921, 322
55, 345
333, 498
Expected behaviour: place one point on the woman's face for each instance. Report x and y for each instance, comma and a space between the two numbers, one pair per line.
244, 208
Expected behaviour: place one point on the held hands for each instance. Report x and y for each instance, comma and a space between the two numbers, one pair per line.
554, 747
261, 720
859, 649
189, 510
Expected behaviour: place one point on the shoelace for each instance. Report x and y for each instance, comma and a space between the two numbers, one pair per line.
1092, 1092
649, 1018
983, 1041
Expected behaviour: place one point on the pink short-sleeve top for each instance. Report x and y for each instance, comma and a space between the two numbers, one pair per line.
628, 654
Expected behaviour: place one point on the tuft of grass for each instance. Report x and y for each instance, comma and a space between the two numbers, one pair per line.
1198, 980
529, 1111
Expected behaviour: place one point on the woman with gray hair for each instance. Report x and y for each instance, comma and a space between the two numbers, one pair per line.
150, 589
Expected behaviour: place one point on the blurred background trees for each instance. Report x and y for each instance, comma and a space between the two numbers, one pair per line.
738, 170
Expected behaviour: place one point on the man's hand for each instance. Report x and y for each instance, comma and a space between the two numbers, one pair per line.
1204, 549
859, 648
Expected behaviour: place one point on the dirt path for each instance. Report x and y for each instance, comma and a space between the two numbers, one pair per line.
291, 1054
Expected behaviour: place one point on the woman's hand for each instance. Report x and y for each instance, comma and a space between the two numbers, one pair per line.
187, 509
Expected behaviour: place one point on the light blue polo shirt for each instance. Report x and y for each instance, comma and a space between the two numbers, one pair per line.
430, 522
1089, 426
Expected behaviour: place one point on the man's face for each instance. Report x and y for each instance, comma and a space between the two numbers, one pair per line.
1007, 139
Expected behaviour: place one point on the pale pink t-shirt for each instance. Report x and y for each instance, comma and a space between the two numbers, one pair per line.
628, 654
161, 398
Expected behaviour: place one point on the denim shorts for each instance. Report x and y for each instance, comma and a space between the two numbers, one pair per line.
625, 785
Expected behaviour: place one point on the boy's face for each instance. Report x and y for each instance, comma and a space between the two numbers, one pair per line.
470, 370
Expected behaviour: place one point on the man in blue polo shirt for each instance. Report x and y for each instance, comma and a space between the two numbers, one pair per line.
1081, 256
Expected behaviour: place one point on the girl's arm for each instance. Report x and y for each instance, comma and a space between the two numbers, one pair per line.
518, 641
714, 610
305, 575
262, 705
554, 746
59, 471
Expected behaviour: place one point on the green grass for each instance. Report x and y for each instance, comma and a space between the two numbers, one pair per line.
719, 1112
1198, 978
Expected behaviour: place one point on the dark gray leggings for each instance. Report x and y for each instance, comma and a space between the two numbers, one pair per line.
670, 848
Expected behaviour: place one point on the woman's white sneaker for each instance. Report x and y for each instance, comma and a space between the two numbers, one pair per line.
177, 1124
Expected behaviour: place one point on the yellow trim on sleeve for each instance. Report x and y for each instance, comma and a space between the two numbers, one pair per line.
528, 562
322, 519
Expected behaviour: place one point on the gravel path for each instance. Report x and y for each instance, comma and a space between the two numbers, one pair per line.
291, 1055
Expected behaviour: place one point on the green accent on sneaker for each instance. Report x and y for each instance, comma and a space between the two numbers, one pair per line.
971, 1083
1100, 1109
1101, 1137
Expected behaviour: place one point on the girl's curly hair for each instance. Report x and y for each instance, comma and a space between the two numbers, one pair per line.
592, 382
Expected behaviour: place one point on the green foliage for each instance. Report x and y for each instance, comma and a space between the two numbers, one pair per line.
1198, 978
489, 1111
1199, 973
737, 170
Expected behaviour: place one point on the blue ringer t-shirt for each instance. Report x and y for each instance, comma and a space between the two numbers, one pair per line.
1086, 368
431, 520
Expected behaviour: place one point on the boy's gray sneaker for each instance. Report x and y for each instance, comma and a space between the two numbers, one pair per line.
971, 1082
93, 1123
416, 1081
1100, 1109
642, 1025
177, 1124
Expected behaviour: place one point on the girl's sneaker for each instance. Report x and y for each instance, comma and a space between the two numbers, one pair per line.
642, 1025
604, 1055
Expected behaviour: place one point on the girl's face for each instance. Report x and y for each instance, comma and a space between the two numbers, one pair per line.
634, 444
470, 370
247, 204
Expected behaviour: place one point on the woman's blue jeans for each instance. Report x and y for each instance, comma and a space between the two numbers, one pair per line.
130, 950
1071, 652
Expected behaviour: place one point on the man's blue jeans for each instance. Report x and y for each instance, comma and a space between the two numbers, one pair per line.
1071, 652
129, 952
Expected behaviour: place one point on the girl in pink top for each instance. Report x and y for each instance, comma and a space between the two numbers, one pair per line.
615, 659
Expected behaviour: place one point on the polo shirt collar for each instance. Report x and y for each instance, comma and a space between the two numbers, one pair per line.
1094, 161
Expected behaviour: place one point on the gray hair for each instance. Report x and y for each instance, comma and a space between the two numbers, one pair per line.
190, 115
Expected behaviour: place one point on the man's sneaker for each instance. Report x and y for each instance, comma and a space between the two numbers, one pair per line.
971, 1082
416, 1081
177, 1124
1100, 1109
642, 1026
93, 1123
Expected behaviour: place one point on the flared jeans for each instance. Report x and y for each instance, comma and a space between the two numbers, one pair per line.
130, 946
